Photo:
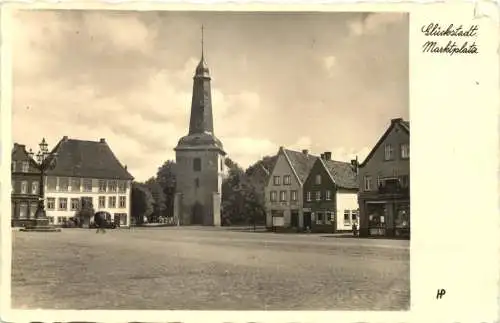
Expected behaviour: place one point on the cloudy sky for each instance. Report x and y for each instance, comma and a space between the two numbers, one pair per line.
322, 81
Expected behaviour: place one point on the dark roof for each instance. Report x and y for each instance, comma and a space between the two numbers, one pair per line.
405, 125
82, 158
342, 173
300, 162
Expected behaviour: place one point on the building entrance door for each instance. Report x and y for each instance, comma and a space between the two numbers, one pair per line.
307, 220
197, 214
295, 219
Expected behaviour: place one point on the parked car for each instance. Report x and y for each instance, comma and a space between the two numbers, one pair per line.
105, 218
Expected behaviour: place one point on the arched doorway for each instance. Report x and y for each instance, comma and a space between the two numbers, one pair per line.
197, 213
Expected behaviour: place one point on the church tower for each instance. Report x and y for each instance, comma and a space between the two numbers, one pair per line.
199, 158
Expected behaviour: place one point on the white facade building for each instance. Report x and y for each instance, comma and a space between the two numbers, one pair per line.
87, 171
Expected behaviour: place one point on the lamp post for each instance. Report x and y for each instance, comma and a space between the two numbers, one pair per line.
46, 161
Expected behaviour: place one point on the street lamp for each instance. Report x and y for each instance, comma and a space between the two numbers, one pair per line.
46, 162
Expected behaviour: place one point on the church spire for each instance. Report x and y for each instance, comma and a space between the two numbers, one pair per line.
202, 68
202, 49
201, 104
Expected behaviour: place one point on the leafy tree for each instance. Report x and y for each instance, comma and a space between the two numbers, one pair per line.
243, 194
167, 179
142, 202
84, 213
159, 205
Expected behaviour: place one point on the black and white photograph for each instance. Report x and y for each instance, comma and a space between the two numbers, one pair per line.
212, 160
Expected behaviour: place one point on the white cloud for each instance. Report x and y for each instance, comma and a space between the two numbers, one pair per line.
374, 22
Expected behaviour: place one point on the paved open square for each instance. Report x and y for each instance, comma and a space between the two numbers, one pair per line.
207, 269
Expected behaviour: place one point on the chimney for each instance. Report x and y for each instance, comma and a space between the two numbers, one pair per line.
65, 138
354, 164
328, 155
102, 140
322, 156
396, 120
125, 167
305, 151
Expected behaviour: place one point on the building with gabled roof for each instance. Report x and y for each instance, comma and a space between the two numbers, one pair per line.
283, 193
330, 195
25, 179
87, 171
384, 179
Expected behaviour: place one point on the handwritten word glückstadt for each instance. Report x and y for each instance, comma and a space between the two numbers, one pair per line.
434, 29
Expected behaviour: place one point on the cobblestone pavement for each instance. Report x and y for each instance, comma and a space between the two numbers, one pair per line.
197, 269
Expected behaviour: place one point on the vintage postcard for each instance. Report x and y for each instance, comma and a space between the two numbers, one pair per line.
244, 162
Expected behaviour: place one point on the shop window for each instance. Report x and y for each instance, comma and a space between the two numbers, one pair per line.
402, 218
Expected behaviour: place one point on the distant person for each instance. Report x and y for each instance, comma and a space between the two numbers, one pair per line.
100, 222
355, 229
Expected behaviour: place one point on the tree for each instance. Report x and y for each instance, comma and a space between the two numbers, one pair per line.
159, 205
166, 177
85, 213
142, 202
243, 194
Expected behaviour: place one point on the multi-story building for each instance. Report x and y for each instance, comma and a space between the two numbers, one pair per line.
284, 194
331, 195
384, 180
25, 179
87, 171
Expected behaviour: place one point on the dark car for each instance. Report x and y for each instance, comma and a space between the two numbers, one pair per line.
103, 220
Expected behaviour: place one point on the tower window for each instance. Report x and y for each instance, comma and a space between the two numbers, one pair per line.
197, 164
197, 182
221, 165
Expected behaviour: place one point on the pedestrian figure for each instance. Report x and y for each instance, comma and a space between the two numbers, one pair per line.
355, 229
99, 221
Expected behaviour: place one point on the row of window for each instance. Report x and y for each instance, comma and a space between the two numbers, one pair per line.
318, 195
404, 181
25, 188
286, 180
404, 151
23, 210
62, 204
73, 184
23, 166
350, 216
283, 196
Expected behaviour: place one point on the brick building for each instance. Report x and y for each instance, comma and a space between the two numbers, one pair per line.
284, 190
25, 179
384, 180
331, 195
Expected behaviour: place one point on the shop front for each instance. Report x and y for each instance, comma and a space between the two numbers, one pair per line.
387, 218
